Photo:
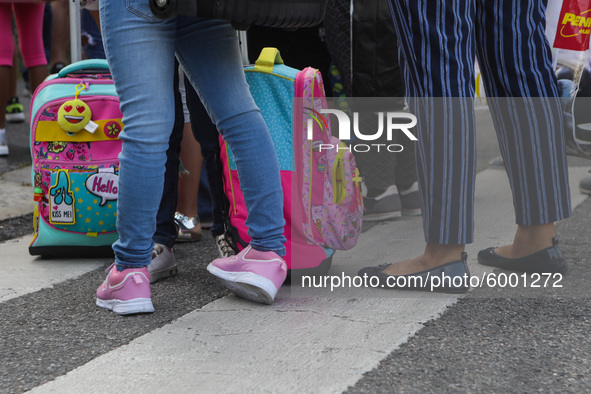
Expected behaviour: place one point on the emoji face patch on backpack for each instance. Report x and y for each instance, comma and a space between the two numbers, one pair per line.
74, 115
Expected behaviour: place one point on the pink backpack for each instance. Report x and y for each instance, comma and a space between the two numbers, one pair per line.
330, 182
75, 174
322, 190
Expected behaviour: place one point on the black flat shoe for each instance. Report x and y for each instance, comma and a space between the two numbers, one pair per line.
549, 260
452, 277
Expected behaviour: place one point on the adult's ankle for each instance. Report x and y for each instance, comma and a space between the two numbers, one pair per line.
437, 254
530, 239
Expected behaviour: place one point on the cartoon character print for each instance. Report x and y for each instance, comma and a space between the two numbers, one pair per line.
43, 179
62, 200
342, 222
63, 151
318, 225
321, 163
41, 154
336, 226
317, 216
38, 179
48, 114
57, 150
355, 219
56, 146
82, 150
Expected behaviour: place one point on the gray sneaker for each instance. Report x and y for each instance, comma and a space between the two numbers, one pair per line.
224, 246
411, 203
383, 207
585, 185
163, 263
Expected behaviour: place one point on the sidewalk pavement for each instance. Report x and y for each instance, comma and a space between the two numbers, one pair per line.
16, 193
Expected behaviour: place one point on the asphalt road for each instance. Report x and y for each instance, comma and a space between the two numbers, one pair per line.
503, 341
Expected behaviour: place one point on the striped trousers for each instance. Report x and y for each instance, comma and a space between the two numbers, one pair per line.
438, 41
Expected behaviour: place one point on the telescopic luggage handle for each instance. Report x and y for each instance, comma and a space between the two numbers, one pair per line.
89, 66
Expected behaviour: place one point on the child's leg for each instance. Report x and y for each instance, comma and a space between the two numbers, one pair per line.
209, 53
148, 118
6, 59
146, 97
29, 22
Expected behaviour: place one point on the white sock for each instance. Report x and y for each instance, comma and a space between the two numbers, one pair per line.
3, 144
413, 188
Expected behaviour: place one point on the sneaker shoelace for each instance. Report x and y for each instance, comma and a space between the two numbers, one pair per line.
224, 246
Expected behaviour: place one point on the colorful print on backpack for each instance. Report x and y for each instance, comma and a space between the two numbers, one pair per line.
322, 210
75, 126
331, 192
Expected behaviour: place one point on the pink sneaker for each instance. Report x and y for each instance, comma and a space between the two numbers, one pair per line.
251, 274
126, 292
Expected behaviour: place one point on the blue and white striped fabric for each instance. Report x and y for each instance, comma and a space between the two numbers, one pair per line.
438, 43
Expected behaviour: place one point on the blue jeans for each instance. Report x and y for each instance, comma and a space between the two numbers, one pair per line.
140, 49
166, 230
206, 134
